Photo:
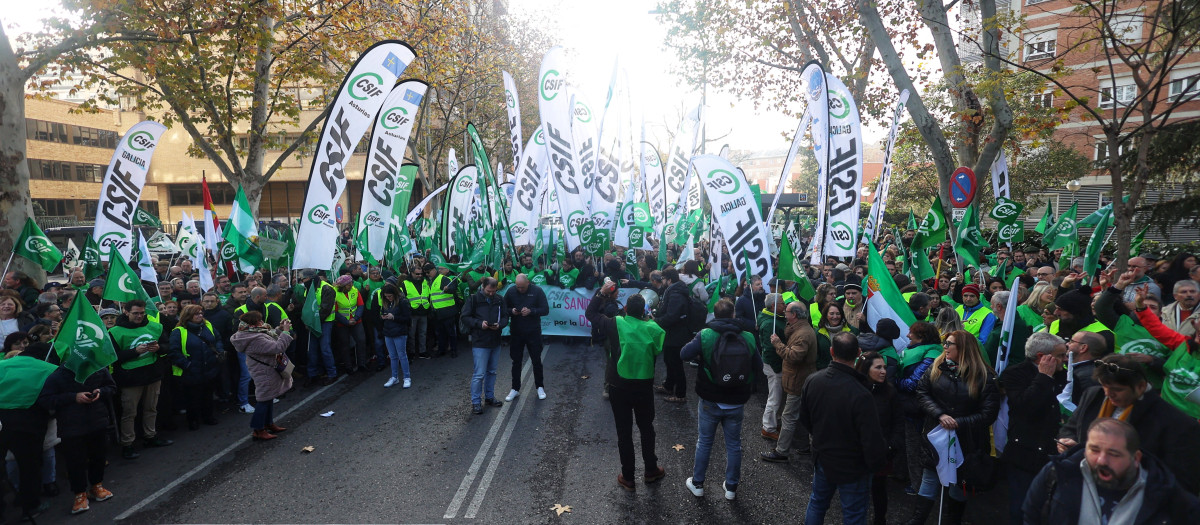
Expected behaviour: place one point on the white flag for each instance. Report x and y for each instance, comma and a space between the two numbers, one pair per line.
526, 205
196, 251
879, 205
740, 220
950, 455
555, 106
359, 99
844, 189
513, 104
389, 139
122, 188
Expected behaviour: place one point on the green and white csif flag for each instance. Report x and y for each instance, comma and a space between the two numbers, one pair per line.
83, 344
1064, 232
122, 187
92, 267
844, 190
124, 284
190, 244
933, 227
884, 300
240, 233
145, 266
35, 246
1136, 245
310, 314
1046, 221
144, 218
968, 243
1091, 257
70, 256
358, 101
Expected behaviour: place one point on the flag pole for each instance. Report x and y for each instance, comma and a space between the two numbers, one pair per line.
9, 263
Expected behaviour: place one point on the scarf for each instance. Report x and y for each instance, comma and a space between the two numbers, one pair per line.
1108, 408
260, 329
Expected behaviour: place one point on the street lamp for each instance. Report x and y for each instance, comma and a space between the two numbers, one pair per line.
1074, 186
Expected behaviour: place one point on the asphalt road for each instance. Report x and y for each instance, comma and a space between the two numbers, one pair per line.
420, 456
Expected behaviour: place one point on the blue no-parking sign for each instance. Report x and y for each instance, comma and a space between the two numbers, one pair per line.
962, 187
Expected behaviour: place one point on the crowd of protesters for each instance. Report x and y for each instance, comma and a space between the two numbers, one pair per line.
849, 397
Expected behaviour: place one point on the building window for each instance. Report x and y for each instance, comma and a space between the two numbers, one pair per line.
1187, 87
1105, 199
70, 134
1044, 100
1040, 49
192, 195
150, 206
55, 207
1035, 2
1122, 95
1103, 151
68, 171
1126, 29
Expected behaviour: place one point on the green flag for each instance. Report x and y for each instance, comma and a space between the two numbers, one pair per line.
124, 284
933, 227
1136, 245
920, 269
912, 221
240, 233
1064, 231
144, 218
83, 344
21, 380
1091, 258
35, 246
1095, 217
310, 315
1046, 221
791, 268
92, 268
968, 243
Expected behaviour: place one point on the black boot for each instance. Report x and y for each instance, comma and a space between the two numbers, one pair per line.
921, 513
953, 512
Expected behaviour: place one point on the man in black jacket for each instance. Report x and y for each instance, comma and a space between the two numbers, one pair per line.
484, 313
1165, 431
720, 405
848, 443
526, 305
672, 317
1032, 387
1111, 480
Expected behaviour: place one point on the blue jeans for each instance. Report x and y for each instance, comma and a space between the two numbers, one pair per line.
931, 487
319, 349
708, 416
1019, 481
398, 353
381, 350
483, 379
855, 499
264, 414
243, 385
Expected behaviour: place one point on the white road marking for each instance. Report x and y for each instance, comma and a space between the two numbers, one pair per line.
486, 481
484, 448
170, 486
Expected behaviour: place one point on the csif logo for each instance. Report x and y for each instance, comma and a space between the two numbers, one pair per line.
1066, 227
364, 86
140, 141
1009, 231
228, 252
320, 215
582, 113
932, 223
842, 235
550, 83
1148, 347
640, 216
510, 99
37, 245
372, 219
126, 284
464, 185
519, 228
1004, 210
539, 138
723, 181
113, 240
839, 106
88, 335
575, 220
394, 118
652, 160
1182, 381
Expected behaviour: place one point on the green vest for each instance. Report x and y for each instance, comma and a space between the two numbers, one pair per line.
973, 323
539, 279
915, 354
1183, 378
438, 299
1030, 317
224, 297
321, 295
567, 279
789, 297
369, 286
814, 314
183, 337
1096, 327
641, 342
127, 338
418, 299
346, 302
506, 278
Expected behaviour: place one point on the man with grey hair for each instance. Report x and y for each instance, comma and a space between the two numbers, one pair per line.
799, 356
1179, 315
1031, 388
1020, 333
771, 322
1141, 265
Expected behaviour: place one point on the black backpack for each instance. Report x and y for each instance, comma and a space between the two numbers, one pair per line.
697, 315
731, 364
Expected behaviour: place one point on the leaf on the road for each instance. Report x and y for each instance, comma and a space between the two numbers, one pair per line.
560, 508
308, 449
677, 447
584, 377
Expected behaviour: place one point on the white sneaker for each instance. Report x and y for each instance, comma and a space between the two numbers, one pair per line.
696, 491
407, 382
541, 393
391, 382
512, 394
729, 494
246, 409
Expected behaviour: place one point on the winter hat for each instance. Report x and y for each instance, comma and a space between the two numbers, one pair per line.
887, 329
971, 288
344, 280
1076, 302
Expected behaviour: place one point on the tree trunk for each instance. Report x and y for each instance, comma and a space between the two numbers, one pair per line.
252, 177
925, 123
14, 171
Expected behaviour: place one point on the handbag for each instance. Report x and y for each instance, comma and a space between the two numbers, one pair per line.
283, 366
